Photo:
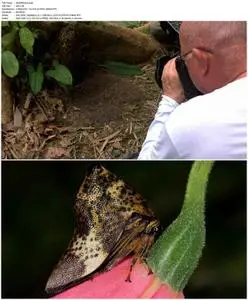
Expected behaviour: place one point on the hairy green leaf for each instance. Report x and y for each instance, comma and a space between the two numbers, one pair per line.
176, 253
10, 64
36, 78
61, 74
27, 39
122, 69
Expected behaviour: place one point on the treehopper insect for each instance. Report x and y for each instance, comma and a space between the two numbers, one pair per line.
112, 222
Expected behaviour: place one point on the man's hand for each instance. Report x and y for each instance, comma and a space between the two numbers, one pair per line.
172, 86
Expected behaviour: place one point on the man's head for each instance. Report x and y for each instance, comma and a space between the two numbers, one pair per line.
214, 52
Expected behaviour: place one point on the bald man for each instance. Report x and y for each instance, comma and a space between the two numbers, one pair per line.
213, 125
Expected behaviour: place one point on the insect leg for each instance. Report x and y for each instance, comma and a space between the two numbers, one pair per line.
134, 260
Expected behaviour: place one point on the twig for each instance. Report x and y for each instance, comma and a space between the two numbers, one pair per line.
13, 152
44, 142
104, 145
131, 127
109, 137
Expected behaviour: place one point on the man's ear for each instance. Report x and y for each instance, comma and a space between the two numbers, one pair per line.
202, 60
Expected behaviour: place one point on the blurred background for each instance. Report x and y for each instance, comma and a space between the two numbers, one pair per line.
38, 221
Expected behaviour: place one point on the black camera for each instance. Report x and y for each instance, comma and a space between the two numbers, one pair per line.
190, 91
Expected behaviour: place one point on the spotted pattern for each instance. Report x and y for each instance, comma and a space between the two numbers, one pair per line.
112, 221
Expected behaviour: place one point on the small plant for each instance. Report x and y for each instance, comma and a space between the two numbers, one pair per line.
18, 57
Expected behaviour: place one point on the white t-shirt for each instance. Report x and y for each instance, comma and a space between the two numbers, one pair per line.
211, 126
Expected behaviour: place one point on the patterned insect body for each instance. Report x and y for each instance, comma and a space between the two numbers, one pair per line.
112, 222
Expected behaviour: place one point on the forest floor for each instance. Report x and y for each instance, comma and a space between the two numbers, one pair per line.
105, 116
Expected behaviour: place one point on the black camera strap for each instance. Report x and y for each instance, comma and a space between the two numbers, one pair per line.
190, 91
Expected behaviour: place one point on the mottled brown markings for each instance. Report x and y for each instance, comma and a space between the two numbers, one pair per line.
123, 192
118, 217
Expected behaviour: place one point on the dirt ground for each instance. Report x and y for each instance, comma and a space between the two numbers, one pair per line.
105, 116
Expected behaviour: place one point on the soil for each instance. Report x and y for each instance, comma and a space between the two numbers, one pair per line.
105, 116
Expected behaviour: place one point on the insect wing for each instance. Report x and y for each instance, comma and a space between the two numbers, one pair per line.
97, 229
111, 223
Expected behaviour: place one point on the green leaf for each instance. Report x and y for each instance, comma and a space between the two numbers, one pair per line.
15, 25
36, 78
122, 69
60, 73
5, 24
128, 24
8, 39
10, 64
27, 39
22, 23
176, 253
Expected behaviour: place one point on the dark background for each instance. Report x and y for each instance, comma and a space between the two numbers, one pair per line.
37, 220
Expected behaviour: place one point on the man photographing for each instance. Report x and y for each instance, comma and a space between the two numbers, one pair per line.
212, 125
